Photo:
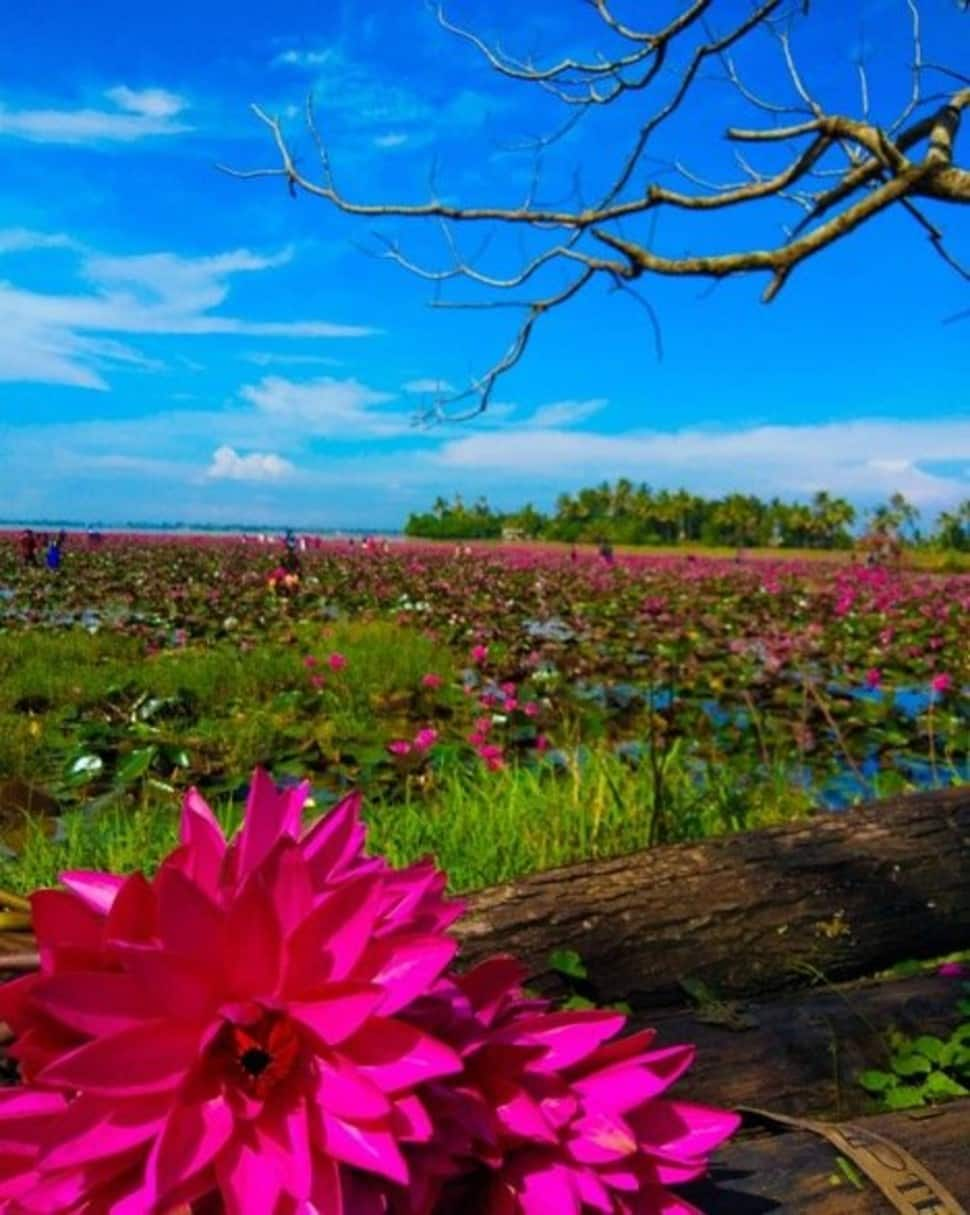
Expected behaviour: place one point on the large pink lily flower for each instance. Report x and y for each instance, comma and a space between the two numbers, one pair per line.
266, 1026
228, 1034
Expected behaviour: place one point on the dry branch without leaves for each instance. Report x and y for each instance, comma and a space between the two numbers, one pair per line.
842, 170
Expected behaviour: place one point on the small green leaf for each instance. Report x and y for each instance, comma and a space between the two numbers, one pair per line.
850, 1172
136, 765
568, 963
577, 1003
911, 1065
939, 1084
929, 1047
876, 1082
904, 1097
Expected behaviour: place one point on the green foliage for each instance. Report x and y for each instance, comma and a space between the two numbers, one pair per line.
630, 515
580, 991
456, 521
922, 1070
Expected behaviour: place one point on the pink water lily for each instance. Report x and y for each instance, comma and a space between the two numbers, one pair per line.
230, 1027
268, 1027
560, 1115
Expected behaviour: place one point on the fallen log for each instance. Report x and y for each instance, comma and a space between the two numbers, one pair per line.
841, 895
798, 1171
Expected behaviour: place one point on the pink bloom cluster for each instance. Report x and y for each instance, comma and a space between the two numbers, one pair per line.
422, 742
268, 1027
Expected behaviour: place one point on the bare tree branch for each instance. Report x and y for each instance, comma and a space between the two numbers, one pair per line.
840, 169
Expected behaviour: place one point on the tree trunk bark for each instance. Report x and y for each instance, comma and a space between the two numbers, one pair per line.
841, 895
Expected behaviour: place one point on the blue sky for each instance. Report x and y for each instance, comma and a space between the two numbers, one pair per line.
179, 344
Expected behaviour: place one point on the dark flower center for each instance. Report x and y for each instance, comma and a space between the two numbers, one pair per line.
255, 1061
261, 1054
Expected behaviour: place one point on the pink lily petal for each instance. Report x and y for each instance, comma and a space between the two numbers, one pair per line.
203, 839
93, 1006
93, 1128
489, 982
134, 913
346, 1092
63, 920
334, 840
412, 1123
13, 1000
406, 966
192, 1137
522, 1118
568, 1037
338, 1012
592, 1192
271, 813
26, 1118
331, 940
253, 963
683, 1129
180, 987
287, 879
192, 924
250, 1183
629, 1084
97, 890
329, 1192
548, 1188
601, 1138
147, 1058
397, 1056
370, 1148
622, 1049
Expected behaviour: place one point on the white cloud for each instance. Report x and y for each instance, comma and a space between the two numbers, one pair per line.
228, 465
565, 413
264, 358
48, 338
153, 103
353, 96
891, 466
302, 59
25, 240
325, 406
392, 139
428, 385
863, 458
97, 468
139, 114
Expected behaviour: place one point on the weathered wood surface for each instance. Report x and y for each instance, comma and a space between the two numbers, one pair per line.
796, 1172
844, 894
802, 1053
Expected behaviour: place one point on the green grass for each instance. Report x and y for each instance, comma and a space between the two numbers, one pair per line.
209, 713
483, 828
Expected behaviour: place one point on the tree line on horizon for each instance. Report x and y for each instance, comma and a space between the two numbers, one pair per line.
624, 513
